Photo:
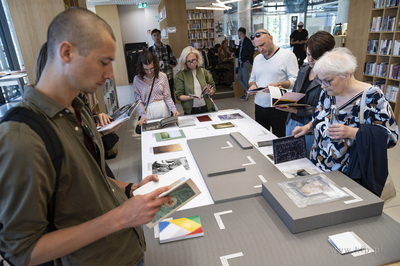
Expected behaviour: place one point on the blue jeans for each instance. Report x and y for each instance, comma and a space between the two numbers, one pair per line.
291, 124
243, 75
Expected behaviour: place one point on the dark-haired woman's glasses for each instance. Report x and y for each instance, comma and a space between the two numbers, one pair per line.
193, 61
258, 34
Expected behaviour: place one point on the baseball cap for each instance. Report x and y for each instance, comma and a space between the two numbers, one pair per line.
300, 24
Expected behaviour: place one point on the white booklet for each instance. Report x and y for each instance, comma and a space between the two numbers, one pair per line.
121, 115
183, 190
346, 242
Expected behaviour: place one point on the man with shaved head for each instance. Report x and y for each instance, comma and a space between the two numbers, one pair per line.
94, 222
272, 67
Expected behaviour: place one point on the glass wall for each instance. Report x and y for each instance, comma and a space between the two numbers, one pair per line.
320, 15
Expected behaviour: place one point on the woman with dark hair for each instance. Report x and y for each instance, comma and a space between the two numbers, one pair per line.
225, 61
319, 43
152, 89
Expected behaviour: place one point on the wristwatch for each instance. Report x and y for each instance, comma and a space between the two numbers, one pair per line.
128, 190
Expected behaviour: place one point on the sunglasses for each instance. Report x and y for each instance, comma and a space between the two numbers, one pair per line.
258, 34
193, 61
325, 82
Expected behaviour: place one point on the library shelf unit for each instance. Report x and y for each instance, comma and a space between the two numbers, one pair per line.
382, 58
105, 99
200, 25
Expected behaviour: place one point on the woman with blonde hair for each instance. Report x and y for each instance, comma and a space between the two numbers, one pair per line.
193, 84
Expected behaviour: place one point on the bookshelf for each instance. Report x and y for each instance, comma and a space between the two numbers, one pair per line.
200, 25
382, 59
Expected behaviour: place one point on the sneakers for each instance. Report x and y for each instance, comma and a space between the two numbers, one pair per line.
244, 97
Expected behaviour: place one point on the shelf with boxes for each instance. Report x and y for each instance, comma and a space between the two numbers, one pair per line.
382, 60
200, 25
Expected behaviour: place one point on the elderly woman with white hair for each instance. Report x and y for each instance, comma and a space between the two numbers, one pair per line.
351, 134
193, 84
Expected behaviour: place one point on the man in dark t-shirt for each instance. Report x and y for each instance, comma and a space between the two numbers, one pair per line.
297, 39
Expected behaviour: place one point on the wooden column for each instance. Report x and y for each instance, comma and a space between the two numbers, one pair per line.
110, 14
31, 20
175, 17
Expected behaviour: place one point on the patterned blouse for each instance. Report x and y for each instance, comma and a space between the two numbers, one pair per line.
160, 92
330, 155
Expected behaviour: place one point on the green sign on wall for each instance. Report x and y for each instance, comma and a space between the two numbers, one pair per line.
142, 5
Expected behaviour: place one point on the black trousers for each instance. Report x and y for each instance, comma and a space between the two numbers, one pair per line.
272, 118
198, 110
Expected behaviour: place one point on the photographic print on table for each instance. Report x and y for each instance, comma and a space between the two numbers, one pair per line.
230, 116
169, 135
167, 148
164, 166
204, 118
223, 125
312, 190
288, 149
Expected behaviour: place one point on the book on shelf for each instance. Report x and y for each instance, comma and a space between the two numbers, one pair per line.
396, 47
121, 115
179, 229
394, 71
369, 68
375, 24
379, 3
385, 47
160, 124
182, 190
389, 23
390, 3
372, 47
381, 70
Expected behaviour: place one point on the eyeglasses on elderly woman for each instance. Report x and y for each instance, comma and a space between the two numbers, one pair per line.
325, 82
193, 61
258, 34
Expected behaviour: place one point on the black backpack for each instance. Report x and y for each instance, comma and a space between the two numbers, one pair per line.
53, 146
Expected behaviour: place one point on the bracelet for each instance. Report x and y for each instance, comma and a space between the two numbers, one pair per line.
128, 190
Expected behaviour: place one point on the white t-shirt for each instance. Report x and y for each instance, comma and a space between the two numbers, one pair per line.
280, 67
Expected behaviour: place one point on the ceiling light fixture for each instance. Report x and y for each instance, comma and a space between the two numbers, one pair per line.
219, 5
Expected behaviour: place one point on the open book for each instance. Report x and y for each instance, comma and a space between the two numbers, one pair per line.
183, 190
159, 124
288, 99
121, 115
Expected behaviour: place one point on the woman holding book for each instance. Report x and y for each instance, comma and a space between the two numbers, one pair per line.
152, 89
353, 123
193, 84
319, 43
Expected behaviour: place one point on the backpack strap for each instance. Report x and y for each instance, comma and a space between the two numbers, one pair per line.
53, 146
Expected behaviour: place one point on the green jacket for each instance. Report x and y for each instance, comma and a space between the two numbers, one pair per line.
184, 85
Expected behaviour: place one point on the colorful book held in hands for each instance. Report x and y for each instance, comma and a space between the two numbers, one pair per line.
179, 229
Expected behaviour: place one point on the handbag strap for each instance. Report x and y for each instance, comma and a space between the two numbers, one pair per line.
363, 103
148, 99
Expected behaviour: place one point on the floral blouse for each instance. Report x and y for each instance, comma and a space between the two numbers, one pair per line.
334, 155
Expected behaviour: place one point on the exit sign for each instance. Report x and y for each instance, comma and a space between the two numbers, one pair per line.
142, 5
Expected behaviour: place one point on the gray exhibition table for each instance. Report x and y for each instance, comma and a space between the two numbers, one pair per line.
247, 231
256, 234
